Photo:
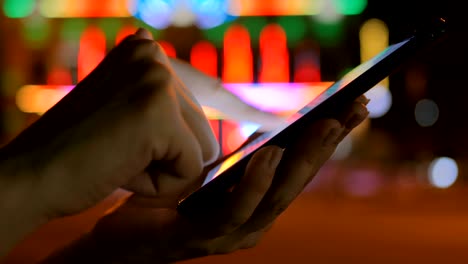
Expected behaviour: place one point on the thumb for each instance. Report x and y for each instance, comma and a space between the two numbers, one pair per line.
144, 34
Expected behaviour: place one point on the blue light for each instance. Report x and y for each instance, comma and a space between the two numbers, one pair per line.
247, 129
210, 13
156, 13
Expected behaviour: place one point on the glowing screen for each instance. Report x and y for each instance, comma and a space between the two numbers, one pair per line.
333, 89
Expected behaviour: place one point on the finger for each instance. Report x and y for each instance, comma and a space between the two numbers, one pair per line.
210, 92
299, 164
246, 196
145, 48
354, 115
175, 145
193, 114
143, 33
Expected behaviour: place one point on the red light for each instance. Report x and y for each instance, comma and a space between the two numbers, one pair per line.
307, 67
59, 76
274, 55
238, 60
214, 123
124, 32
92, 51
168, 48
232, 137
205, 58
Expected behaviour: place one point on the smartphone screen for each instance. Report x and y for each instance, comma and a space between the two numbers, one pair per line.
330, 91
222, 177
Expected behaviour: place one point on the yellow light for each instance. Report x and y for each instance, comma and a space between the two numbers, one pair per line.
39, 98
275, 7
374, 38
85, 8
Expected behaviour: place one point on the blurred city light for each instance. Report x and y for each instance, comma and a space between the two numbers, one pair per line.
443, 172
380, 101
18, 8
426, 112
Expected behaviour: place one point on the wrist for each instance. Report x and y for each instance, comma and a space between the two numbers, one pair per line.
22, 211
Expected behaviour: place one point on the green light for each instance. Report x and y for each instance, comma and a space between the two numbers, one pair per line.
110, 26
36, 31
216, 34
350, 7
72, 28
328, 34
255, 26
18, 8
294, 26
344, 72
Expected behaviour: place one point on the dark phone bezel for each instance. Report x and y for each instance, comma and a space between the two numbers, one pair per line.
205, 197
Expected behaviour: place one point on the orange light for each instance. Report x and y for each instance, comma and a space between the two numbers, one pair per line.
92, 51
205, 58
274, 55
275, 7
84, 8
238, 60
168, 48
39, 98
124, 32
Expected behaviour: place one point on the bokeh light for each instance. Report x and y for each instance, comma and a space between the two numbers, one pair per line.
426, 112
380, 101
443, 172
210, 13
18, 8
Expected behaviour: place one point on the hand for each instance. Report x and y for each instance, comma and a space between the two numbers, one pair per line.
130, 118
149, 230
209, 91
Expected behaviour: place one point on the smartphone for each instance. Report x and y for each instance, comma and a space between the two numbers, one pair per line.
222, 177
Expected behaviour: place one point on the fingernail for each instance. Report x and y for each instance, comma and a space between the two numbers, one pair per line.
363, 100
275, 158
333, 136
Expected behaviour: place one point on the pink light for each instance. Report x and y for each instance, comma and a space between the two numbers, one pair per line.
282, 98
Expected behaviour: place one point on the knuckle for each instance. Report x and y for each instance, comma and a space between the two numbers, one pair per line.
142, 49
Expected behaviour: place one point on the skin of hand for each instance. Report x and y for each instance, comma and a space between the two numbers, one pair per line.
134, 105
128, 121
145, 229
209, 91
